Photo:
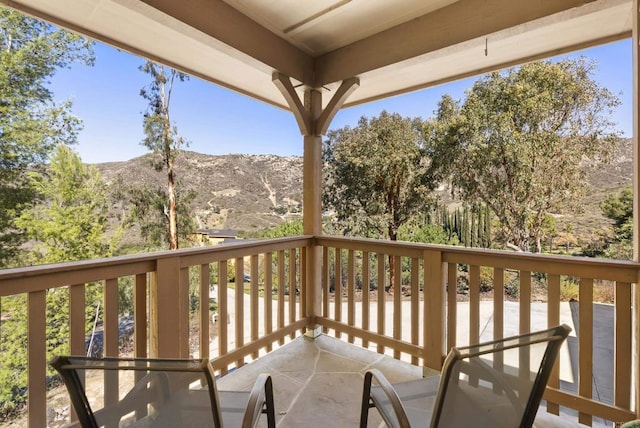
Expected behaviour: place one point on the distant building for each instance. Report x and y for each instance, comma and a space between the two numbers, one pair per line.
215, 236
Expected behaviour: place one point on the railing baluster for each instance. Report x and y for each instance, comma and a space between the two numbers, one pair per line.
268, 296
205, 316
525, 301
498, 318
351, 290
239, 306
223, 314
498, 303
585, 344
622, 347
474, 304
337, 289
140, 315
110, 339
381, 298
525, 322
553, 319
281, 286
415, 305
397, 302
452, 305
37, 358
303, 284
365, 295
111, 318
326, 270
255, 303
183, 311
77, 305
292, 288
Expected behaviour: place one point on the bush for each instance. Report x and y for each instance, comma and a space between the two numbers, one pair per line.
569, 289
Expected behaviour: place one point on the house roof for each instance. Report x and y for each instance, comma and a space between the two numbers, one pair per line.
218, 233
392, 47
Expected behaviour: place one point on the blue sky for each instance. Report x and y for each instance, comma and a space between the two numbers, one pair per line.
219, 121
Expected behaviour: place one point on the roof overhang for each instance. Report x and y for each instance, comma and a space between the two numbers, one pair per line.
392, 47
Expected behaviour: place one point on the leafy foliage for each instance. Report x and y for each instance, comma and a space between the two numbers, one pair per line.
147, 207
31, 123
426, 233
619, 208
377, 175
520, 140
288, 228
68, 225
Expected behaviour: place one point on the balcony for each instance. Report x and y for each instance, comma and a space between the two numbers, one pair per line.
406, 329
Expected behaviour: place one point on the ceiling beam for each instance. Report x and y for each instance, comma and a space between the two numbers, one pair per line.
223, 23
494, 67
457, 23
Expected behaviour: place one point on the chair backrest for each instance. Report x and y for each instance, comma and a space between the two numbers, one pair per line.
113, 392
498, 383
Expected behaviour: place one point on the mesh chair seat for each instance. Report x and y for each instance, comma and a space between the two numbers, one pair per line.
494, 384
159, 393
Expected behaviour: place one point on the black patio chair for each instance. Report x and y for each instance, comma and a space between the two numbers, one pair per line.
145, 392
493, 384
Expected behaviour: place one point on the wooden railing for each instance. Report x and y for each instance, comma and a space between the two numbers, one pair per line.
161, 299
416, 318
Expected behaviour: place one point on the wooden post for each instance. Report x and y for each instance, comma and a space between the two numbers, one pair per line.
312, 214
434, 309
165, 300
313, 122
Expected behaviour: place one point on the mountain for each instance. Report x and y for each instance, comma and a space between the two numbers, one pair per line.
251, 192
241, 192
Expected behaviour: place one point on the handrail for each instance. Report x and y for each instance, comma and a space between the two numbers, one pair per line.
42, 277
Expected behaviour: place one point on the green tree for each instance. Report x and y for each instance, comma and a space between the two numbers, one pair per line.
520, 140
71, 222
146, 206
619, 208
288, 228
68, 225
162, 138
426, 233
377, 176
31, 123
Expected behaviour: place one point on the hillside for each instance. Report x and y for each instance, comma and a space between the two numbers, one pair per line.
241, 192
251, 192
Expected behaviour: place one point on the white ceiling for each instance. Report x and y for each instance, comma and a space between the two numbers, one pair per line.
391, 46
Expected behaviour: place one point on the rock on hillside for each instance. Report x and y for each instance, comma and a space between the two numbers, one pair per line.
242, 192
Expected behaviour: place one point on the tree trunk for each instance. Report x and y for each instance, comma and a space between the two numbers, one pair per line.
173, 213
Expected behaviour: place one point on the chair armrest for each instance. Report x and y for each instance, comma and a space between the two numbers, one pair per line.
391, 394
261, 394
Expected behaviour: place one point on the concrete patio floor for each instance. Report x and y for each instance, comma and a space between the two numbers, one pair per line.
318, 383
